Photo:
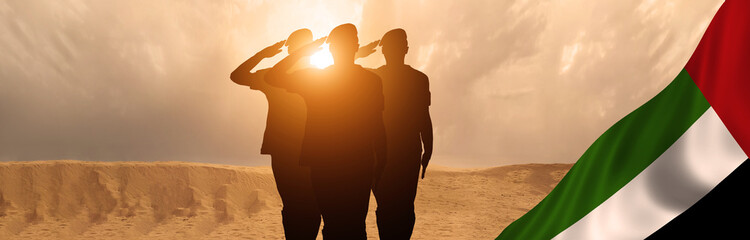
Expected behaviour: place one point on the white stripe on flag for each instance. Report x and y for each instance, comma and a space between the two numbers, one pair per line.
687, 171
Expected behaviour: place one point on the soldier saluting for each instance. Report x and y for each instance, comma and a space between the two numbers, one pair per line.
344, 142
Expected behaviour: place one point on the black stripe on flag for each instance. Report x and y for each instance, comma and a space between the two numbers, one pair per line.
722, 214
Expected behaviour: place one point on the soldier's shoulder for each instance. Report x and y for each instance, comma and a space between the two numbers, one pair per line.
418, 73
370, 73
419, 77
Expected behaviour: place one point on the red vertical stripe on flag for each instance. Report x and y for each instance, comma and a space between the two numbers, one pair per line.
720, 66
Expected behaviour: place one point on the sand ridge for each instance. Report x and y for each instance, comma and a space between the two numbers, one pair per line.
68, 199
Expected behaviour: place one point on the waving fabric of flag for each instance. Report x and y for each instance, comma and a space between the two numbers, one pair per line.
662, 160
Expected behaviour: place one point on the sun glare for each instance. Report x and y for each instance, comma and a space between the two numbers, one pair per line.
322, 58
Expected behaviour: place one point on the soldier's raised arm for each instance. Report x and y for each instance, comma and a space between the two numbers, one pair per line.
366, 50
242, 74
278, 76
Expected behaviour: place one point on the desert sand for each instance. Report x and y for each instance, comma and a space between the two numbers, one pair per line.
176, 200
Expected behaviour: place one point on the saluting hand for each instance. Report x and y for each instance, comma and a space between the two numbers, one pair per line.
312, 47
272, 50
366, 50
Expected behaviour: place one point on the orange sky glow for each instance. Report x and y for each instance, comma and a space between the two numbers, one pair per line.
512, 81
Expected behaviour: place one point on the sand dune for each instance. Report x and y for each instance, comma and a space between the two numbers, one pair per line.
177, 200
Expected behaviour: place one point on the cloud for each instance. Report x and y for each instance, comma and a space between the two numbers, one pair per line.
538, 81
136, 80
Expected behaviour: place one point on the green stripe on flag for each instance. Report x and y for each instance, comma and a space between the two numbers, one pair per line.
620, 154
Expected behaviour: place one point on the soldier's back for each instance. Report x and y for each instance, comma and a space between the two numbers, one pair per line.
341, 102
407, 96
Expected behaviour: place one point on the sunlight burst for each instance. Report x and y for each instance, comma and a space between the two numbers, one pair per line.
322, 58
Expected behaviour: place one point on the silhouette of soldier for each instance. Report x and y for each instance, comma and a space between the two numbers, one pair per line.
344, 142
282, 139
408, 128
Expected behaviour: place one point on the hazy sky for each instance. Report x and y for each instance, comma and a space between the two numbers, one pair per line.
512, 81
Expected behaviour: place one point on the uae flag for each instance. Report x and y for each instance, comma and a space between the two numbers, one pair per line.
676, 166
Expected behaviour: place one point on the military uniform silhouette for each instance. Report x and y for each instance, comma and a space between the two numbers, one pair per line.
344, 135
282, 140
408, 125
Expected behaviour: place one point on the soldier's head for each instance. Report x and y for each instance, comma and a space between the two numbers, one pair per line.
298, 39
343, 43
394, 46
